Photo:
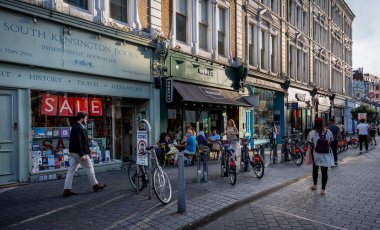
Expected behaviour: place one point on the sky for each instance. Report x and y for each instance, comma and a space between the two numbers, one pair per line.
366, 35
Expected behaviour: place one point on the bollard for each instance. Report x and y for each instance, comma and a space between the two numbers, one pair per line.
262, 152
181, 184
199, 171
243, 167
205, 168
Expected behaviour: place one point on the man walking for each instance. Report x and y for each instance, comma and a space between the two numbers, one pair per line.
78, 153
336, 136
362, 130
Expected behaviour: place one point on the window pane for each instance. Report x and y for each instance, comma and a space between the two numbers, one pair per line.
221, 43
222, 19
262, 50
202, 36
181, 27
203, 14
79, 3
182, 7
118, 10
251, 44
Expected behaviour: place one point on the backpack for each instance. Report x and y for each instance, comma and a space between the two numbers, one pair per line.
322, 144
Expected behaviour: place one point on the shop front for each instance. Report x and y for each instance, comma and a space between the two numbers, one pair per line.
49, 75
299, 111
338, 110
267, 100
324, 108
199, 94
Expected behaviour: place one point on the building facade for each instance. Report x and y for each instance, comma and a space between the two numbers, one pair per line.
61, 57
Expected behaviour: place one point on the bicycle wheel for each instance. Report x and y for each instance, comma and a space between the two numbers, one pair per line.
161, 186
354, 143
232, 171
133, 177
298, 158
258, 166
345, 146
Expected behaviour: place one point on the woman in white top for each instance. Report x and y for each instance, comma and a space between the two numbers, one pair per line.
323, 160
232, 136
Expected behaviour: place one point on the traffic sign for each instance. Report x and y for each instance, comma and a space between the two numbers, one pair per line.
371, 95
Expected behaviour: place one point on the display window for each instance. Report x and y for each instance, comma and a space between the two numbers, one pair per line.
263, 114
53, 114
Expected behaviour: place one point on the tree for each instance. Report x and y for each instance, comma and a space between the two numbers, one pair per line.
372, 114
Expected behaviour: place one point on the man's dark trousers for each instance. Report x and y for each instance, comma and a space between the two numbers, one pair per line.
334, 148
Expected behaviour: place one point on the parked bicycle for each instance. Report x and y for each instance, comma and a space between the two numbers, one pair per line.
292, 148
141, 176
257, 162
228, 162
352, 141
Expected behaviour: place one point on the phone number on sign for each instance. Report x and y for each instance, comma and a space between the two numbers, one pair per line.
15, 52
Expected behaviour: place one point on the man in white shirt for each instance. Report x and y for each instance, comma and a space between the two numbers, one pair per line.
362, 130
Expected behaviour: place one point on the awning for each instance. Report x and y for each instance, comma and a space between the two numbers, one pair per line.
203, 94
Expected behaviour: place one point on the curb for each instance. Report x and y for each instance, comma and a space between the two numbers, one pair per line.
231, 207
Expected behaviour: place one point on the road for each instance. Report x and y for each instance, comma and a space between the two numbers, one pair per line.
352, 202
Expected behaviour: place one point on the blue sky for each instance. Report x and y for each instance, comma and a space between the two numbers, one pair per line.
366, 35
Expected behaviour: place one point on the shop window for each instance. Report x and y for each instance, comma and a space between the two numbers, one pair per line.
119, 10
83, 4
273, 53
263, 114
53, 114
203, 24
222, 31
262, 49
181, 21
251, 43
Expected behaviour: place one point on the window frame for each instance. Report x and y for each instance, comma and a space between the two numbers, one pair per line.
129, 14
199, 23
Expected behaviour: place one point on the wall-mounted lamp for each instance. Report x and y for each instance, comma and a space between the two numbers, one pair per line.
69, 30
34, 19
99, 36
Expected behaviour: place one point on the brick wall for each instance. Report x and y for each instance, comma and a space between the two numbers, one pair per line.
233, 27
143, 8
166, 9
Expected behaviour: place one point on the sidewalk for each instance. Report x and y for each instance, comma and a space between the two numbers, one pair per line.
41, 206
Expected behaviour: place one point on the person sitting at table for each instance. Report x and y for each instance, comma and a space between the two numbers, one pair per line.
164, 144
214, 140
190, 144
202, 141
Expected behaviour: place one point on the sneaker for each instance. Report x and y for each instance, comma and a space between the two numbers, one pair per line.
69, 192
336, 163
98, 187
323, 192
313, 187
360, 152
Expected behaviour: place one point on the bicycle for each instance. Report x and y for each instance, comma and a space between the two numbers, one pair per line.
228, 162
291, 147
257, 161
161, 183
353, 141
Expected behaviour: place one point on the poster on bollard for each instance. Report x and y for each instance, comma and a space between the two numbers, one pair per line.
142, 140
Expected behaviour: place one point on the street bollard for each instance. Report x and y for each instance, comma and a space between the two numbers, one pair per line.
181, 184
242, 161
199, 171
275, 154
205, 168
262, 152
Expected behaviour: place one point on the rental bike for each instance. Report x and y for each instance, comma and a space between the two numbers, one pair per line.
140, 176
228, 162
352, 141
292, 148
257, 162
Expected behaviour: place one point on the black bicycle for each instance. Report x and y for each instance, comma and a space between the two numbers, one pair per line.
228, 163
291, 148
257, 161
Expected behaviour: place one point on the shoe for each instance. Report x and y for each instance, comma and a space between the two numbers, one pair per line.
313, 187
323, 192
98, 187
360, 152
69, 192
336, 163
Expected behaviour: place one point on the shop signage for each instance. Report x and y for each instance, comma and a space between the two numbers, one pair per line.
168, 90
265, 83
205, 71
301, 97
49, 44
52, 105
143, 140
362, 116
371, 95
293, 105
214, 93
254, 100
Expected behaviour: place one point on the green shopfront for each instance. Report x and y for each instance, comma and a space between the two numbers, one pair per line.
204, 95
48, 72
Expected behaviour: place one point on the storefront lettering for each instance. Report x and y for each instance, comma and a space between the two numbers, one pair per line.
65, 106
88, 83
37, 77
48, 144
24, 30
205, 71
127, 87
5, 74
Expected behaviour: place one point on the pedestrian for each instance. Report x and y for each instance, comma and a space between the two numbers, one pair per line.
79, 154
362, 130
378, 129
372, 133
341, 128
232, 137
272, 137
321, 154
336, 136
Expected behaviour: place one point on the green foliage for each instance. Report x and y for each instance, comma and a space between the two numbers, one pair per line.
372, 114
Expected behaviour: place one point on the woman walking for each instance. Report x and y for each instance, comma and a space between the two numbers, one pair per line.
322, 155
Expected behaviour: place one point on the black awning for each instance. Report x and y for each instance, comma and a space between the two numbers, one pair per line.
203, 94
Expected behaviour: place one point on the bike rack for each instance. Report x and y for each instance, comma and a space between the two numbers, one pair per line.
202, 169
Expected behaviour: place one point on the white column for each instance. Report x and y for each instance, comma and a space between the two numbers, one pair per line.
172, 35
195, 27
136, 25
